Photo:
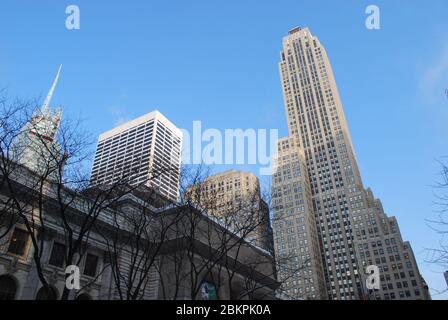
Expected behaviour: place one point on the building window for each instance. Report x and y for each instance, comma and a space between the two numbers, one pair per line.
19, 242
50, 294
57, 255
8, 288
83, 296
91, 265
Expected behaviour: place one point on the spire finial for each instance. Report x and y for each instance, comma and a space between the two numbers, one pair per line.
46, 104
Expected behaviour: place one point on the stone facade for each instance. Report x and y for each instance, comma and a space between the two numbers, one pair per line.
177, 255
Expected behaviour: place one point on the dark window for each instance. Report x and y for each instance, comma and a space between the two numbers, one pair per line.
57, 255
49, 294
83, 296
91, 265
18, 242
8, 288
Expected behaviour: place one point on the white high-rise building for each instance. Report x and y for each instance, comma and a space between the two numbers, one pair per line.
143, 151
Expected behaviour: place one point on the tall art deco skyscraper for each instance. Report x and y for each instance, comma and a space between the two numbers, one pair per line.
323, 216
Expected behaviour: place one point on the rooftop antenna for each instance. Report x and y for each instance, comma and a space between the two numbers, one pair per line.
46, 104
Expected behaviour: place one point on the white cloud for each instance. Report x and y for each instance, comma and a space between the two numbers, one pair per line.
434, 81
119, 115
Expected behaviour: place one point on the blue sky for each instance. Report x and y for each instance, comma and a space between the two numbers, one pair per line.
216, 61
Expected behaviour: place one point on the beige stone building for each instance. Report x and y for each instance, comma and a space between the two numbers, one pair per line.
352, 229
296, 238
234, 196
379, 242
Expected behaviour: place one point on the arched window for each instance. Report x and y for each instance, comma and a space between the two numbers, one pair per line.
8, 288
51, 294
83, 296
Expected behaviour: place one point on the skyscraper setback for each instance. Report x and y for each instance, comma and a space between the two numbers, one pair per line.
318, 193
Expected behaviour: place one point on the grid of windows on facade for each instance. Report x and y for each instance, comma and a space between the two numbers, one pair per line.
145, 154
234, 197
345, 212
166, 163
398, 277
295, 234
230, 189
313, 115
383, 247
231, 182
124, 156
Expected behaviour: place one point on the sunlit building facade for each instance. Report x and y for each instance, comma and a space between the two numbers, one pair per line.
352, 229
143, 151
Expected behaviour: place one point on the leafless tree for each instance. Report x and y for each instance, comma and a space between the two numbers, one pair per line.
133, 241
54, 192
439, 255
47, 191
235, 240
